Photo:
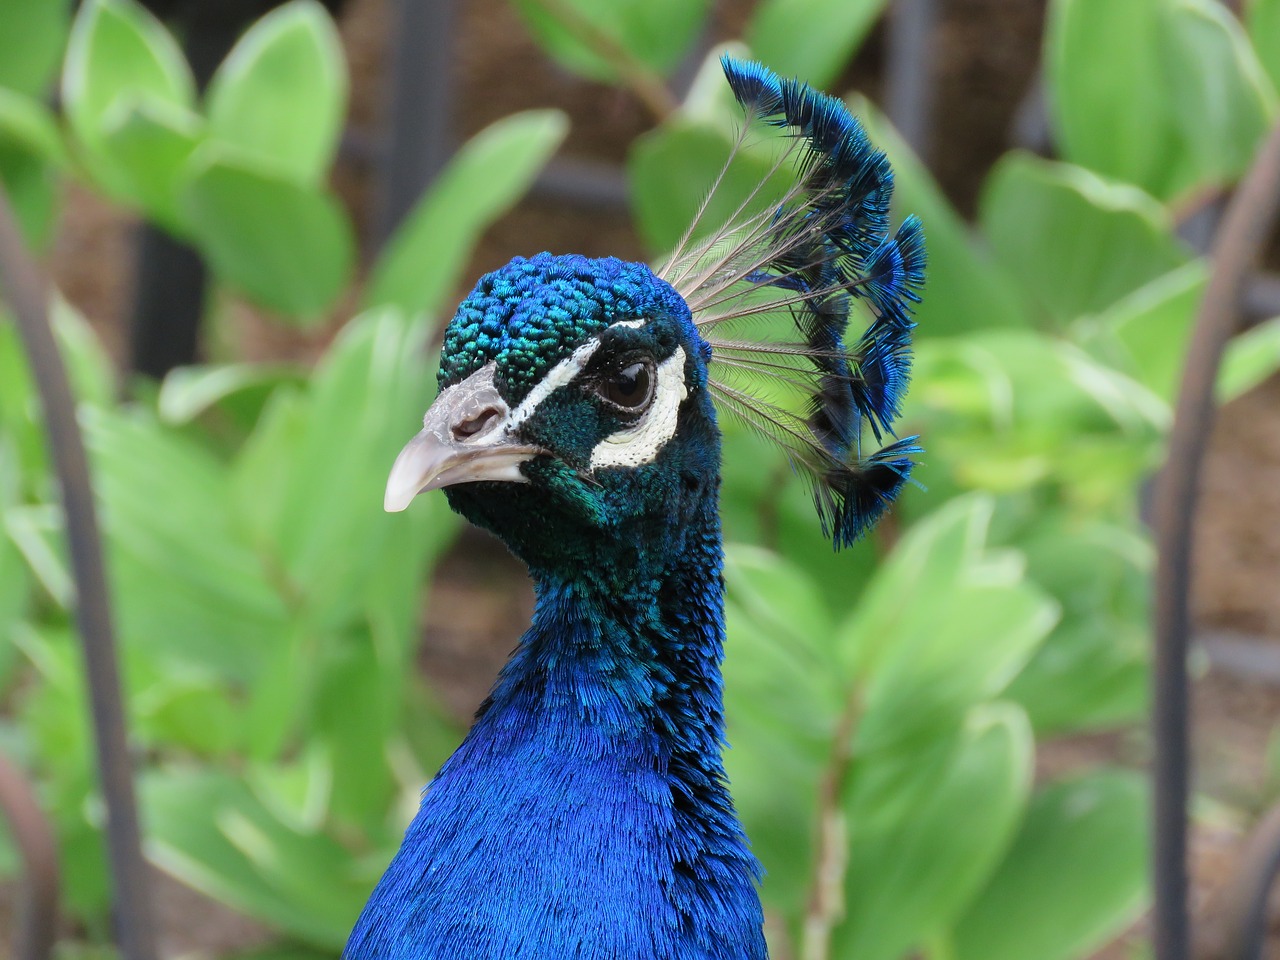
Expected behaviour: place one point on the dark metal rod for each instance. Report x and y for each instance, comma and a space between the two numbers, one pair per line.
38, 908
28, 296
1245, 227
909, 79
421, 107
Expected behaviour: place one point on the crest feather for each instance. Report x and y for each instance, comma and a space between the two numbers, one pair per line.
792, 272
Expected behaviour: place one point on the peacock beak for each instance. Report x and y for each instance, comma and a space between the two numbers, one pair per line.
465, 437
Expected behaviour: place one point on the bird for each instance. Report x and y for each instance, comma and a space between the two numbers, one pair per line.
586, 814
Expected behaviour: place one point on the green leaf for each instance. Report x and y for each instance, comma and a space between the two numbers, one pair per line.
32, 33
591, 38
117, 49
922, 665
1075, 875
211, 833
1074, 242
180, 568
30, 148
812, 39
914, 865
425, 258
188, 392
1165, 94
281, 93
1263, 21
286, 246
782, 701
150, 143
1251, 357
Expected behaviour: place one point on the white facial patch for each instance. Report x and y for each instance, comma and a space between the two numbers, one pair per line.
641, 442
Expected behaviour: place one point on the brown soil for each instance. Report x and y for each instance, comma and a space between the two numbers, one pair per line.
987, 51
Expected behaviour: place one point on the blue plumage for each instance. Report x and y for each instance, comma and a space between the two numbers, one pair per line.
586, 815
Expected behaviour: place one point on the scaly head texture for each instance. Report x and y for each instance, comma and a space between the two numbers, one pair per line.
797, 270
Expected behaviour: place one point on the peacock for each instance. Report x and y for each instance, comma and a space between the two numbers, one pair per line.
586, 814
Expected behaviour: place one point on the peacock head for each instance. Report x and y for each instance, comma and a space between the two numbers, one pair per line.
575, 417
573, 410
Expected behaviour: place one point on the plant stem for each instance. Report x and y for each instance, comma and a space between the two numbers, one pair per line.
826, 888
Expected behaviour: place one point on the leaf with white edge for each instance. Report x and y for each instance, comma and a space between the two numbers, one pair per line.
914, 865
188, 392
922, 665
280, 95
117, 49
28, 124
1074, 242
1165, 94
209, 831
1251, 357
149, 143
286, 246
1074, 877
32, 34
785, 35
425, 257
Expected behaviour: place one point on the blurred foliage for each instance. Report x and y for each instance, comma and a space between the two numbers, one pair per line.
884, 704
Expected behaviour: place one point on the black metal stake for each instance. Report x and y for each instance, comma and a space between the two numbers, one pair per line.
28, 296
1245, 227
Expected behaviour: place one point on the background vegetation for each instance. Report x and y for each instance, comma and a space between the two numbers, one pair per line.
885, 704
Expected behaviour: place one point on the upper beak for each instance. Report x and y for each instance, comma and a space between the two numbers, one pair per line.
465, 437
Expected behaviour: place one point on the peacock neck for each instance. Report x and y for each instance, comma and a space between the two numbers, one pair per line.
627, 651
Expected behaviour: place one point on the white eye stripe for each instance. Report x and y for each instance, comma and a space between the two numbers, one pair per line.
641, 442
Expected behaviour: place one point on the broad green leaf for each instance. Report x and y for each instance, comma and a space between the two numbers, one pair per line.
30, 150
286, 246
187, 711
1250, 358
89, 368
117, 49
1263, 21
211, 833
813, 39
425, 258
921, 665
965, 289
15, 589
1146, 333
188, 392
1074, 242
281, 93
149, 143
32, 33
1165, 94
1075, 875
782, 699
190, 592
1092, 669
28, 124
593, 38
914, 866
325, 497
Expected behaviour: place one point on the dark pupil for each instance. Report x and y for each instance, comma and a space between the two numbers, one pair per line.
629, 387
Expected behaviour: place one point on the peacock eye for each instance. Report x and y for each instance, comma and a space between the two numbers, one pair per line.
630, 388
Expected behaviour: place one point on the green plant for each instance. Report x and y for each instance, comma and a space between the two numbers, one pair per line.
269, 612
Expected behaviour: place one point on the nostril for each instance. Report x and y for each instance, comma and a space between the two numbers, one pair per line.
474, 426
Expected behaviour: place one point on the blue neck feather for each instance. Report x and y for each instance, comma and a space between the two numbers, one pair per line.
586, 814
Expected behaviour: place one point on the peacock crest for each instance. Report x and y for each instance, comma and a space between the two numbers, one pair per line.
772, 290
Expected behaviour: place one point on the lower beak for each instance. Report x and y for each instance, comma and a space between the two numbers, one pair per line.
464, 439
